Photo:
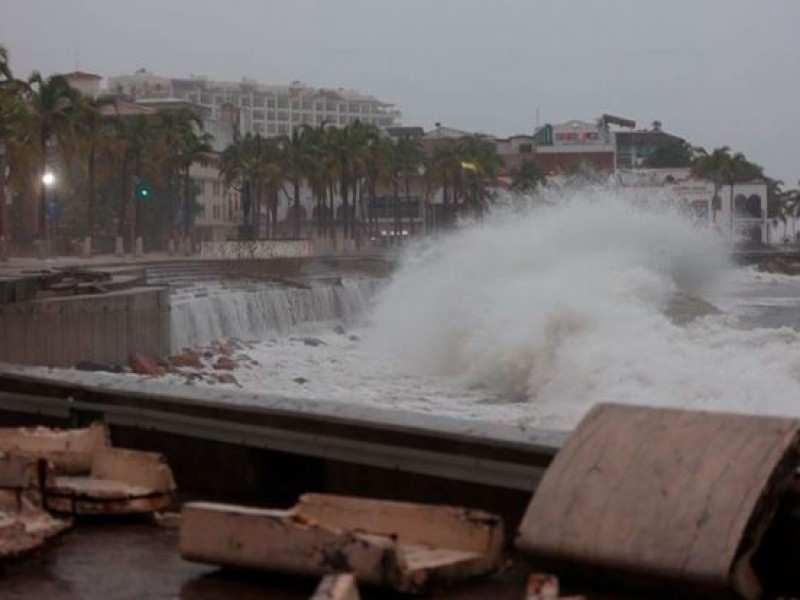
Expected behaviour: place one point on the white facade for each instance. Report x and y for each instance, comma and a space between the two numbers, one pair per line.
219, 206
269, 110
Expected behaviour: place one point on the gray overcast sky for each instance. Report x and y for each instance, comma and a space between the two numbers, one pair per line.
717, 73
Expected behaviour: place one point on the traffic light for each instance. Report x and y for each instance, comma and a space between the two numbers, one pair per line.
142, 191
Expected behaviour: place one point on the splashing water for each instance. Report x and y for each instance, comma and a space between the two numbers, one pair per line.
563, 307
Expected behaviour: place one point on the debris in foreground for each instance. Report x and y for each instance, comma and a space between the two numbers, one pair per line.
24, 524
91, 476
404, 546
694, 502
341, 586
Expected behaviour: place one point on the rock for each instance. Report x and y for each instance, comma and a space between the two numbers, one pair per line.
339, 329
188, 358
144, 365
312, 341
90, 365
300, 380
208, 354
222, 348
354, 338
225, 363
227, 378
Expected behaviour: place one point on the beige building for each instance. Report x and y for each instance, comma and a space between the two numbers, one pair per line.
269, 110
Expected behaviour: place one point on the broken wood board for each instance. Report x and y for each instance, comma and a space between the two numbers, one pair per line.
664, 497
69, 450
302, 541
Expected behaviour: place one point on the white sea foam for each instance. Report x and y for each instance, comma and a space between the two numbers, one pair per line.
564, 307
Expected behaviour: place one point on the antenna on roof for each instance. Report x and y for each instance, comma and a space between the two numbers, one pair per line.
537, 117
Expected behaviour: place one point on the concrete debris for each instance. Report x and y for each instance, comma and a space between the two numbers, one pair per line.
24, 524
98, 367
699, 501
407, 547
541, 586
144, 365
341, 586
82, 474
225, 363
68, 450
167, 520
120, 482
187, 358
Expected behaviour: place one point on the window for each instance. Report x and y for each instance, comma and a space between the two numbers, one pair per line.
319, 106
216, 188
295, 117
306, 104
343, 107
283, 128
283, 102
271, 115
271, 103
330, 107
271, 129
295, 105
258, 127
525, 148
283, 116
258, 115
245, 101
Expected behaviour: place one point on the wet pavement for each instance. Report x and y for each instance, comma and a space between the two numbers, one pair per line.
127, 561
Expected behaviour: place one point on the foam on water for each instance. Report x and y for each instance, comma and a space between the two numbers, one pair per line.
563, 307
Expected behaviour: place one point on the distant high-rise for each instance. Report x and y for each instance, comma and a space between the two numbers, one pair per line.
266, 109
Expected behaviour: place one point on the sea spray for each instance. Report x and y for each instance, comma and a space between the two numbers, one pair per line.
564, 306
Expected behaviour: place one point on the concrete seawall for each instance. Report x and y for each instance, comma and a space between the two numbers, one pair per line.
104, 328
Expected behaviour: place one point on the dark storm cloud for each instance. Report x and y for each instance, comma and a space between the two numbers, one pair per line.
715, 72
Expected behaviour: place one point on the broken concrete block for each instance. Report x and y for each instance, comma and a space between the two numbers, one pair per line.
450, 527
121, 482
24, 525
541, 586
664, 496
408, 547
69, 450
341, 586
143, 469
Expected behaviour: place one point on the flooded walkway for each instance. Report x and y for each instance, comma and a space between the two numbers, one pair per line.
140, 561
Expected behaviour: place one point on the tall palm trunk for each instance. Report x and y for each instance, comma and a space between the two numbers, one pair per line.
91, 193
296, 184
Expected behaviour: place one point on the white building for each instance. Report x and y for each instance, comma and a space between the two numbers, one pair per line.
266, 109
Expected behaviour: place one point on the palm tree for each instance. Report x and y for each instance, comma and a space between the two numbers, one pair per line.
723, 168
408, 158
14, 146
54, 105
479, 162
298, 155
527, 178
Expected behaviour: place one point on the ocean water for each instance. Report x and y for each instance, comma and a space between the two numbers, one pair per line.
529, 317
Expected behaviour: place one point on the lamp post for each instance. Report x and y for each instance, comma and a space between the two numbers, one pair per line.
49, 182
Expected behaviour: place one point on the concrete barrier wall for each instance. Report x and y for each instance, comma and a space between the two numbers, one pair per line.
258, 249
107, 328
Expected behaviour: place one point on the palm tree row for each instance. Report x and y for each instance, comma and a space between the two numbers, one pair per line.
345, 169
722, 167
99, 155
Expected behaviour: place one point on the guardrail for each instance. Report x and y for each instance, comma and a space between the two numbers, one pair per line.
462, 450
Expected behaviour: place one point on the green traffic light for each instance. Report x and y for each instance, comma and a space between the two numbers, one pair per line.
142, 191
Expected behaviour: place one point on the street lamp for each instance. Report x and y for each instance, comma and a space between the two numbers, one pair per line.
49, 179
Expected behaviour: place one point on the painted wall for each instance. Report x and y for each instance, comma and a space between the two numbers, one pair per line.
258, 249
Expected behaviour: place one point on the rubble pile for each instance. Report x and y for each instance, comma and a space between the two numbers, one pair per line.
70, 473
